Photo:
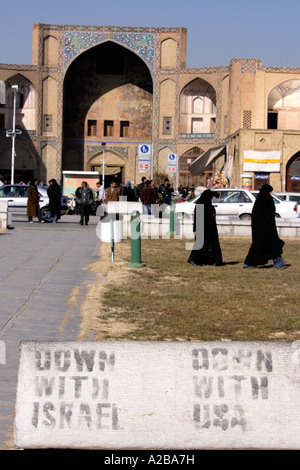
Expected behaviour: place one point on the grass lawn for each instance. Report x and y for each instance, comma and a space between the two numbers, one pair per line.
170, 300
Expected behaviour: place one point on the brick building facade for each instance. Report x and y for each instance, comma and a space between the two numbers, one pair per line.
126, 86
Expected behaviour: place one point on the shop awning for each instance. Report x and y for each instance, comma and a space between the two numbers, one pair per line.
206, 159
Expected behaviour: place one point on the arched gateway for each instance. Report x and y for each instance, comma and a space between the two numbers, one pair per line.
108, 93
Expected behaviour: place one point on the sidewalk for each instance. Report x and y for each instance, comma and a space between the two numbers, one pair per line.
40, 265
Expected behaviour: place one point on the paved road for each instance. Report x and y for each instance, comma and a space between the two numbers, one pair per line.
39, 266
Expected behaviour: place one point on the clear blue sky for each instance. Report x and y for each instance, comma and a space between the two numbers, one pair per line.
217, 31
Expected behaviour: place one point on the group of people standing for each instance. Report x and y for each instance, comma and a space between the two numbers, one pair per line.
266, 244
33, 195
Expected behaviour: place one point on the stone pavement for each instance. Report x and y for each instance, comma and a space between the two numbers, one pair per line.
40, 264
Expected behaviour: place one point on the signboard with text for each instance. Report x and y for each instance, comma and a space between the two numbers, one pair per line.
158, 395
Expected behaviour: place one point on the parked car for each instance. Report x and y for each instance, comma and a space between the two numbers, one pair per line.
16, 196
236, 202
294, 197
284, 209
232, 202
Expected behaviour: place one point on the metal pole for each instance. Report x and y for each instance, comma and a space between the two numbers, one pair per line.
103, 163
14, 89
177, 172
152, 169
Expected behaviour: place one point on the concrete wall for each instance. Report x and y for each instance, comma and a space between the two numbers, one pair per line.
158, 395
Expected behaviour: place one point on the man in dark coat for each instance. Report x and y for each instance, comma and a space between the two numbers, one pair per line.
84, 198
165, 191
148, 197
266, 243
54, 194
210, 253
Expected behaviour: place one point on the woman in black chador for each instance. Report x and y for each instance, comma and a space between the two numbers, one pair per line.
54, 194
210, 252
266, 243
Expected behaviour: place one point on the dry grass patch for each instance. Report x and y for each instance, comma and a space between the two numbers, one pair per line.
171, 300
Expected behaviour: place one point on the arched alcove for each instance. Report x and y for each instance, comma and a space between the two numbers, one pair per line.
168, 55
293, 173
284, 106
50, 51
198, 108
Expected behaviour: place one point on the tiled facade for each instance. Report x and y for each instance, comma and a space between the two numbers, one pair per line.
191, 110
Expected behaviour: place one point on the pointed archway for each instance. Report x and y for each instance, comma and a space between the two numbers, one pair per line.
108, 94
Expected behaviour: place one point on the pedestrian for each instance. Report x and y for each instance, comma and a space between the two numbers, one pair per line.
128, 192
191, 195
148, 197
33, 208
155, 189
112, 193
54, 194
210, 252
100, 191
84, 198
266, 244
141, 186
165, 191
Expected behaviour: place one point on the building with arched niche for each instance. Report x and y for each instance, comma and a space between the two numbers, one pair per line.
127, 86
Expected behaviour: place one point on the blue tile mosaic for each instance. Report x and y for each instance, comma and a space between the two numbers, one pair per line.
76, 42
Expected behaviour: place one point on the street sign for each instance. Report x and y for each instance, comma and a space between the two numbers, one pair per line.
172, 158
143, 166
171, 168
144, 151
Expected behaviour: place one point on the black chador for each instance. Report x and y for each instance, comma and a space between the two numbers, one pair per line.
210, 253
266, 244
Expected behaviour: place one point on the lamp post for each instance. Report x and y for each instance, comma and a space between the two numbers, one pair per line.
14, 90
103, 144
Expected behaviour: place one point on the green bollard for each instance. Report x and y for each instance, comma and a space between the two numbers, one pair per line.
136, 242
172, 219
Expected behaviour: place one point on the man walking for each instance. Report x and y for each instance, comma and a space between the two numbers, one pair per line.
84, 198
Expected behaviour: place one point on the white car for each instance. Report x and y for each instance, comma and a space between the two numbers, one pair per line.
232, 202
294, 197
284, 209
236, 203
16, 196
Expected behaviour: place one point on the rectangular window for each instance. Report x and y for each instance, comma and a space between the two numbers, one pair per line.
108, 128
272, 120
92, 128
2, 121
124, 129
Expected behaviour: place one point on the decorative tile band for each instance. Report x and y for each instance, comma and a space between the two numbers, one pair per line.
75, 42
